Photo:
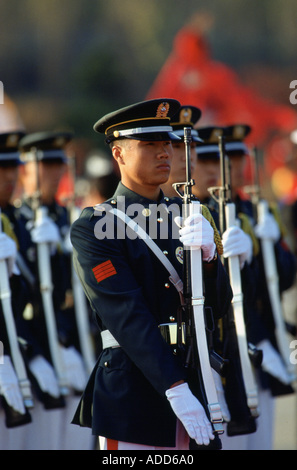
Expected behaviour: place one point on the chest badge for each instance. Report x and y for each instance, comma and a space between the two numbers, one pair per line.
179, 253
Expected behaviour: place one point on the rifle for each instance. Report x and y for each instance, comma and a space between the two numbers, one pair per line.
227, 217
46, 289
261, 209
13, 418
80, 301
193, 295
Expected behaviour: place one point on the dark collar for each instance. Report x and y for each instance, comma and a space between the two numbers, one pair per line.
132, 198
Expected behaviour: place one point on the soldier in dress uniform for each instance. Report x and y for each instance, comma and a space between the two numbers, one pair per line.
12, 423
273, 379
44, 158
139, 395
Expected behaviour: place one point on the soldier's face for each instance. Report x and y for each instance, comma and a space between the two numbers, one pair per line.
49, 174
206, 174
8, 181
143, 163
237, 164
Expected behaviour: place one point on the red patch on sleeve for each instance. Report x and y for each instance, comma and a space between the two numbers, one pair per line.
104, 270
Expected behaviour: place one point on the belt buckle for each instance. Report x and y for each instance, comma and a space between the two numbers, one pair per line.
169, 332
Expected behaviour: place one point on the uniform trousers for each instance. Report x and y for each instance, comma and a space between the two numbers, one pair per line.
182, 442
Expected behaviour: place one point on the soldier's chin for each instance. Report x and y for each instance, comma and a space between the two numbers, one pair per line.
164, 178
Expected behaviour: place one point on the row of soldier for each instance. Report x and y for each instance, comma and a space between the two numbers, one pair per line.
53, 386
43, 372
267, 339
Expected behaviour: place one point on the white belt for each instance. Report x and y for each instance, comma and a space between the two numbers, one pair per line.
108, 341
168, 331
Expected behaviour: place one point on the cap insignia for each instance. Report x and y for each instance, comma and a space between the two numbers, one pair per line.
12, 140
162, 110
59, 142
239, 132
186, 115
215, 135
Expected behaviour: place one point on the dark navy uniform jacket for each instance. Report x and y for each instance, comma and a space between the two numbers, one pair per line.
129, 291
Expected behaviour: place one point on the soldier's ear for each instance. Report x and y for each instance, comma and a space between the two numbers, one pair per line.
117, 152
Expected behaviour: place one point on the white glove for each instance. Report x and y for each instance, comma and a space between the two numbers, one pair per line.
237, 243
45, 376
74, 368
268, 228
8, 251
272, 362
221, 397
9, 386
67, 245
45, 231
198, 233
191, 413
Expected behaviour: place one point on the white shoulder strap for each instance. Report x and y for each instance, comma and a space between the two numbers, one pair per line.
174, 277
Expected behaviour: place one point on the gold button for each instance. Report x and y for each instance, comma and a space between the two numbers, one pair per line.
166, 198
167, 285
106, 364
146, 212
160, 219
113, 201
165, 252
171, 318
